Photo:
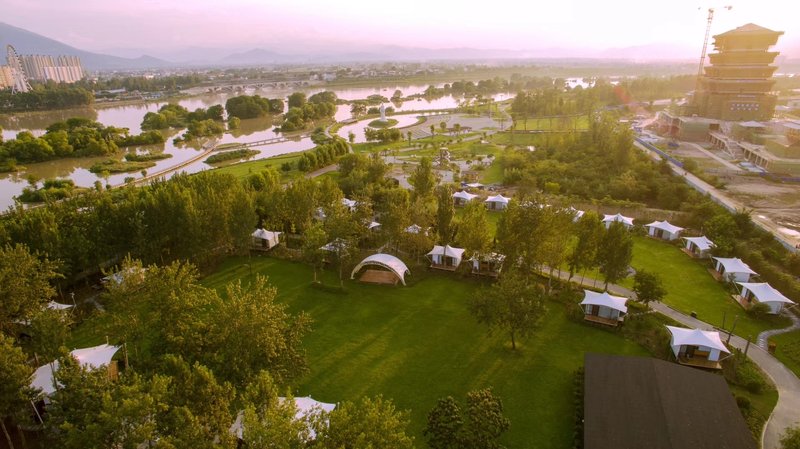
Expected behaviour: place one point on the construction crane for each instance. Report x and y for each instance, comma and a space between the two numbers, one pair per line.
705, 46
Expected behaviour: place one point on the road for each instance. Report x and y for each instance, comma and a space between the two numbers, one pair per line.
787, 411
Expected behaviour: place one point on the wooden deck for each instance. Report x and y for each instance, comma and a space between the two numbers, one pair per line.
742, 301
690, 253
444, 267
601, 320
715, 274
379, 277
699, 362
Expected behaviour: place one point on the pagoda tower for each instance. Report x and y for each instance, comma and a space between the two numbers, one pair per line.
738, 84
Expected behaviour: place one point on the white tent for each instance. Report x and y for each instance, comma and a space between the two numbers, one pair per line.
52, 305
763, 292
93, 357
695, 343
733, 268
578, 214
475, 185
626, 221
387, 261
663, 230
120, 276
497, 202
446, 256
265, 239
373, 224
306, 408
350, 204
487, 264
414, 229
699, 245
463, 197
335, 246
604, 305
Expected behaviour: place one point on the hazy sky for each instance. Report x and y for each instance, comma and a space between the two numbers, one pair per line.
503, 24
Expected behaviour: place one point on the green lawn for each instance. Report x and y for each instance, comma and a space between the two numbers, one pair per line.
244, 169
492, 217
556, 124
788, 350
690, 287
493, 174
418, 343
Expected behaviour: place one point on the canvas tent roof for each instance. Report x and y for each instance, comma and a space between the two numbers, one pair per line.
494, 257
576, 212
696, 337
734, 265
765, 292
497, 199
336, 245
464, 195
264, 234
665, 226
349, 203
52, 305
618, 217
305, 407
475, 185
93, 357
604, 299
447, 250
387, 261
702, 243
373, 225
414, 229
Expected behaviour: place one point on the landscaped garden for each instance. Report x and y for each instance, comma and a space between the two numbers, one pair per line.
419, 343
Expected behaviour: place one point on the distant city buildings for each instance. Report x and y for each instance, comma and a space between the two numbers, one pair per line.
24, 68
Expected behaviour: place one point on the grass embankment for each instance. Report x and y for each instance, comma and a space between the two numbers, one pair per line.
114, 166
788, 350
417, 344
231, 156
390, 122
580, 123
147, 157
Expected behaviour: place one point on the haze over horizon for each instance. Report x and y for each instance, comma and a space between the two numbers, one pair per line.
577, 27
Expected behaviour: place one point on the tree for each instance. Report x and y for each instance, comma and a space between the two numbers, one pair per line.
721, 229
24, 284
358, 109
648, 286
423, 179
791, 438
615, 253
49, 330
513, 305
297, 100
473, 231
478, 426
584, 254
15, 378
351, 137
313, 240
368, 423
445, 211
433, 131
445, 425
408, 136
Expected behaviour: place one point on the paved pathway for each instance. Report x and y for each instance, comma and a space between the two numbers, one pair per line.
787, 411
763, 338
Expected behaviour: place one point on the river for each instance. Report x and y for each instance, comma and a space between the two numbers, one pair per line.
130, 116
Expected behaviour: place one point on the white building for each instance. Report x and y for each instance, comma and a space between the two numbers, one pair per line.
603, 308
765, 293
733, 269
699, 246
663, 230
618, 218
697, 347
497, 202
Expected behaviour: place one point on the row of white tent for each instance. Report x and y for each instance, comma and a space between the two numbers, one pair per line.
612, 307
495, 202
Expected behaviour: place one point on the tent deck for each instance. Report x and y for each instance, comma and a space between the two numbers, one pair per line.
699, 362
742, 301
716, 274
444, 267
601, 320
692, 254
379, 277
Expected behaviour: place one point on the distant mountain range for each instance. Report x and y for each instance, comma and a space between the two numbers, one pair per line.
27, 42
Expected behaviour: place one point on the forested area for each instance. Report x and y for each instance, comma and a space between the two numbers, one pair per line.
46, 96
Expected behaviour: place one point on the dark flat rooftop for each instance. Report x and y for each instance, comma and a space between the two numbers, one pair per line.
641, 402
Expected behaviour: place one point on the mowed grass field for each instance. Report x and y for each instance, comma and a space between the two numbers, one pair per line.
418, 343
788, 350
691, 288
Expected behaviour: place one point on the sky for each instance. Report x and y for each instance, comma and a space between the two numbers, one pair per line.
159, 25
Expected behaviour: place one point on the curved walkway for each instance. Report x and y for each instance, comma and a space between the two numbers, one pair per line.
787, 411
763, 338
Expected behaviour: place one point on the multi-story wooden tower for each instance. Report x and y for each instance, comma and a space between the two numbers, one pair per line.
738, 84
